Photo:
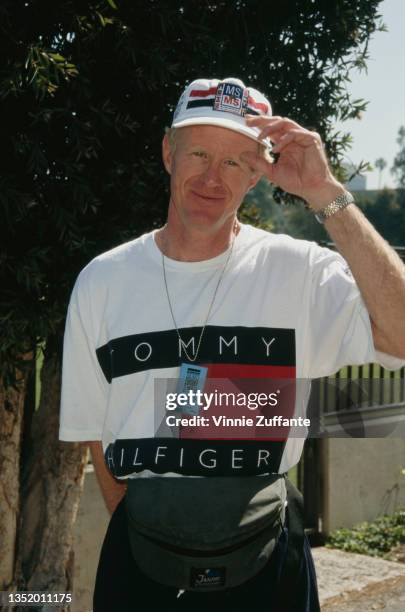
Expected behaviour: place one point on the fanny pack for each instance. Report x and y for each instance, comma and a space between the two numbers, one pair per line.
204, 534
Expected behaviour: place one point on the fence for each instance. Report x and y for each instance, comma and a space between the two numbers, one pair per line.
357, 393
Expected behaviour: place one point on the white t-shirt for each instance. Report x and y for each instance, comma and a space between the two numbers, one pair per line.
285, 308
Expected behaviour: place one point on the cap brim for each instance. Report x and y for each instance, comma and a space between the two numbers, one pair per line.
225, 123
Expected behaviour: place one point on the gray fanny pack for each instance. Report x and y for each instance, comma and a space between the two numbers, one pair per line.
203, 534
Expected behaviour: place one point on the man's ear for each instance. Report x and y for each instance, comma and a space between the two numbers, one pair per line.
167, 154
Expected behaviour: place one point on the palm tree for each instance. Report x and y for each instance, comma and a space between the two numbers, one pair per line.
380, 163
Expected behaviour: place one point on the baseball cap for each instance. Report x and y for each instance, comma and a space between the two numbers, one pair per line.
223, 103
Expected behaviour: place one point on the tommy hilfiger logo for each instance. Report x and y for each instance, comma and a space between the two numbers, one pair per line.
255, 346
207, 577
194, 457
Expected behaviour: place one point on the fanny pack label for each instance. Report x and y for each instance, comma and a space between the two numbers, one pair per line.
206, 577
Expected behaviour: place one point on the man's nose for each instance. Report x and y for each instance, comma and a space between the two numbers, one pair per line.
212, 174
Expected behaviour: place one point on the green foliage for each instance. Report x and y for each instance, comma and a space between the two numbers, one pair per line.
386, 211
253, 215
293, 218
376, 538
86, 90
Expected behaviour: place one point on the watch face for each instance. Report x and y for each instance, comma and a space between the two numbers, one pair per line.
319, 218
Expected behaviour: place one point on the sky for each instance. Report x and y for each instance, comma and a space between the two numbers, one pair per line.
375, 134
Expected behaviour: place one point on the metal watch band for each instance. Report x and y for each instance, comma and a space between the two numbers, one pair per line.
343, 200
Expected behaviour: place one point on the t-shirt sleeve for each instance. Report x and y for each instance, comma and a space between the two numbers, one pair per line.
339, 329
84, 390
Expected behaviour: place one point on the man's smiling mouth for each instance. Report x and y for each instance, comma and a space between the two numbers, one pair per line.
211, 197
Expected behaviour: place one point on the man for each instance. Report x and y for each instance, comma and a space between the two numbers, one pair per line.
219, 300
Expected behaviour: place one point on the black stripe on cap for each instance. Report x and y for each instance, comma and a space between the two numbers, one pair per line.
197, 103
210, 103
252, 111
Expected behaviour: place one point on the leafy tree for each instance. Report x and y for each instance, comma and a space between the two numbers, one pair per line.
293, 220
386, 211
398, 168
86, 89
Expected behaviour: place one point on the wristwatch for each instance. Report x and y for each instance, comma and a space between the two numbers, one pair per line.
343, 200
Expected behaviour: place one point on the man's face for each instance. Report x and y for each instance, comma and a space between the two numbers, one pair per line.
208, 179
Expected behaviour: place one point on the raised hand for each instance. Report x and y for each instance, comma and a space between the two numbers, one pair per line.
302, 167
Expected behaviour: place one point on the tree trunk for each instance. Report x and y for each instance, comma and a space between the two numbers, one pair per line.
52, 484
11, 418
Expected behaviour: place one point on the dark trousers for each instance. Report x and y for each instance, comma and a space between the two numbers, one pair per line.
120, 585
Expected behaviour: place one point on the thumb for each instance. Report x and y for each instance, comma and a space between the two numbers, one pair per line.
258, 163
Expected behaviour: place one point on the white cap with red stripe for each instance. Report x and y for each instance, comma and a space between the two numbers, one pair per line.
222, 103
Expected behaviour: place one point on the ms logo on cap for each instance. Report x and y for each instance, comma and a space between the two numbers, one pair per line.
231, 98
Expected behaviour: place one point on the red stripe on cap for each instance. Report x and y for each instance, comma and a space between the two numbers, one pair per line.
201, 93
259, 105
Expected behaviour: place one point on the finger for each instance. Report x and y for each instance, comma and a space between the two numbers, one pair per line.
274, 136
257, 163
274, 132
276, 129
257, 119
286, 139
276, 122
302, 137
